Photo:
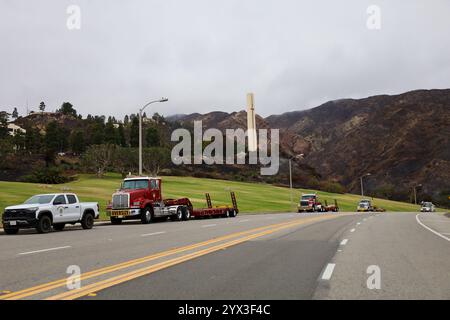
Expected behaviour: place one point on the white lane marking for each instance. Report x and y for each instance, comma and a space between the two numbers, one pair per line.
244, 220
328, 271
152, 234
432, 230
353, 230
358, 223
44, 250
344, 242
209, 225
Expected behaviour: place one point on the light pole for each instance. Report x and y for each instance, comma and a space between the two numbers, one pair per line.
290, 174
140, 130
415, 192
362, 187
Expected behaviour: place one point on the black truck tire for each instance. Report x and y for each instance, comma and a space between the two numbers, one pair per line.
11, 230
87, 222
233, 213
44, 224
186, 213
146, 215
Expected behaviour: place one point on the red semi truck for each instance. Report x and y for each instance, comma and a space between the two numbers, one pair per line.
140, 198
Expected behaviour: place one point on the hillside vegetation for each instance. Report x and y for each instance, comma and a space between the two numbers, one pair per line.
251, 197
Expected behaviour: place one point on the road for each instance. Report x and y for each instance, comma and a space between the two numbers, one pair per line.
266, 256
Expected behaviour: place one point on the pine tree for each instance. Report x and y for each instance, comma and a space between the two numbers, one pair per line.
42, 106
134, 133
152, 137
15, 114
121, 134
77, 143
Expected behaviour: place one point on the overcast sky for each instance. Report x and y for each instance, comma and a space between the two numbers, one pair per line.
205, 55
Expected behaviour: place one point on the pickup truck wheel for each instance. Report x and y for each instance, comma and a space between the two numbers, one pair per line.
59, 226
44, 224
186, 214
87, 222
11, 230
116, 221
146, 215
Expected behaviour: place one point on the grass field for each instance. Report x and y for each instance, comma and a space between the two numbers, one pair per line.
251, 197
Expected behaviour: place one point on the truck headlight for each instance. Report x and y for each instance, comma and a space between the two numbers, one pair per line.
136, 203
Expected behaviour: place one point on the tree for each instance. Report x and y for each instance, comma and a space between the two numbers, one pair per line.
67, 109
55, 141
155, 159
77, 143
152, 137
33, 140
15, 114
42, 106
3, 124
134, 133
126, 160
110, 133
126, 120
99, 158
121, 136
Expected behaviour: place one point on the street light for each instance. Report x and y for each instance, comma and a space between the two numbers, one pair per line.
415, 192
140, 129
362, 187
299, 156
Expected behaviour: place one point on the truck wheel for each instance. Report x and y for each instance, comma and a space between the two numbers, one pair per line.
146, 215
44, 224
59, 226
186, 214
11, 230
115, 221
87, 222
233, 213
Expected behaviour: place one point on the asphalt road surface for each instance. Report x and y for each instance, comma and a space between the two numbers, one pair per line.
266, 256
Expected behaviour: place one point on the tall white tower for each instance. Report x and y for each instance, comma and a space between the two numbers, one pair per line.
251, 124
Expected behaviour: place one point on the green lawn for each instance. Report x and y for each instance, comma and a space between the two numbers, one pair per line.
251, 197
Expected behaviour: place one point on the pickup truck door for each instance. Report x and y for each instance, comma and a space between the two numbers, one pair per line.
60, 208
74, 209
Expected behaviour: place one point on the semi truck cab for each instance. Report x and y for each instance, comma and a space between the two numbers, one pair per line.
141, 198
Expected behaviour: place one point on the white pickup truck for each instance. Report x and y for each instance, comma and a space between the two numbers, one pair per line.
46, 210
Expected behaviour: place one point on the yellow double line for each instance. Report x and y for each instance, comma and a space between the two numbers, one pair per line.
73, 294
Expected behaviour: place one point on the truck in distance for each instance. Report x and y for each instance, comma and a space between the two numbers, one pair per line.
45, 211
310, 203
365, 205
140, 198
427, 207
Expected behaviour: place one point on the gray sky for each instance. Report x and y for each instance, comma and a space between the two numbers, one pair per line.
206, 55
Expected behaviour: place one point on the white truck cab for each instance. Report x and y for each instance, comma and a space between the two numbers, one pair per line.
45, 211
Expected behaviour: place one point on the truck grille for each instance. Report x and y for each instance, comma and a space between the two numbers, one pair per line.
120, 201
18, 214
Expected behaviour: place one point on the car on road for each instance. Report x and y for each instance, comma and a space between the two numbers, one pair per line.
365, 205
45, 211
427, 207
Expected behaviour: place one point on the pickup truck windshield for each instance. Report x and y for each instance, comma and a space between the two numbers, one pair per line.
40, 199
135, 184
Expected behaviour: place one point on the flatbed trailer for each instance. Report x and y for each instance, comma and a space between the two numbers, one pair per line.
221, 211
